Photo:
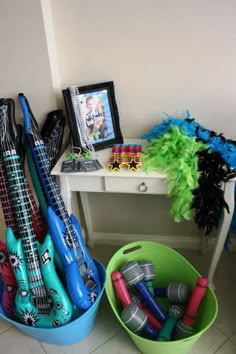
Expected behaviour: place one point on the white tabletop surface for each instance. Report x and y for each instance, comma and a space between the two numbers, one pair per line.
103, 157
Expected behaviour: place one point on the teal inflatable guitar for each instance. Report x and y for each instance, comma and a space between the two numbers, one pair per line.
40, 300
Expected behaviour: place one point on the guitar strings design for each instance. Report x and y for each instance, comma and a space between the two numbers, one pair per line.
25, 229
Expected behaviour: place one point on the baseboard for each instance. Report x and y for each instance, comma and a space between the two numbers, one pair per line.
184, 242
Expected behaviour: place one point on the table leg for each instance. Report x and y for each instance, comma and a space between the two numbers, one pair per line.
70, 200
87, 217
66, 193
223, 231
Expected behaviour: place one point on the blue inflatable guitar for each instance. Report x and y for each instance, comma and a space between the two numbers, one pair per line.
41, 300
82, 277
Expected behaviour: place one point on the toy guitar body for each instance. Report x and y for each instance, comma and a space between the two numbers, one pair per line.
9, 283
41, 300
83, 263
81, 273
45, 305
43, 206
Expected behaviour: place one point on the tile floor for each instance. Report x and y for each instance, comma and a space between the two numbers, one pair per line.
107, 335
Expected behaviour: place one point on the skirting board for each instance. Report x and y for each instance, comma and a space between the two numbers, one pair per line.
184, 242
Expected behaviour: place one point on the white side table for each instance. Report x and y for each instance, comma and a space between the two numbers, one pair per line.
106, 181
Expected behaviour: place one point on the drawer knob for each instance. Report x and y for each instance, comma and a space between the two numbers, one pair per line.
143, 187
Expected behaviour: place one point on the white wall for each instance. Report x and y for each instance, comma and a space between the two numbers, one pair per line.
24, 62
162, 56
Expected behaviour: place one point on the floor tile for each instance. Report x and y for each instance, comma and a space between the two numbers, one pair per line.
233, 338
209, 342
228, 348
106, 326
4, 326
119, 344
226, 319
13, 341
226, 293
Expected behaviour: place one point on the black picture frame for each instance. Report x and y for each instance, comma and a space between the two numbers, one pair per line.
98, 108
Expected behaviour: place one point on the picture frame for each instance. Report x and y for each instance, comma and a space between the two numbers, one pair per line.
93, 115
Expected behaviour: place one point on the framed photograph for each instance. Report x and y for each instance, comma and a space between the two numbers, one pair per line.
93, 115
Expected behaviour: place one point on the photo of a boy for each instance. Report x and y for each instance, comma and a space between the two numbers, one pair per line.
95, 119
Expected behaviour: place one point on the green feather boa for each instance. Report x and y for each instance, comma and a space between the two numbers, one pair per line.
174, 154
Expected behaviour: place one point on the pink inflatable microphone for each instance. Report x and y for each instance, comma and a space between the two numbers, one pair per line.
125, 299
194, 301
122, 292
185, 327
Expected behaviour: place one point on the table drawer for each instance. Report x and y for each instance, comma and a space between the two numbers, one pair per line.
135, 185
86, 184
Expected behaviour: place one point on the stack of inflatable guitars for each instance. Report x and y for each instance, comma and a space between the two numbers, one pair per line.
35, 292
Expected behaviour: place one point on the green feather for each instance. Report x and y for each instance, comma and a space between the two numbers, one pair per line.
175, 154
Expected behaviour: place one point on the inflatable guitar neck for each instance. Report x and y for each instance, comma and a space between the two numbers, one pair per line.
52, 134
7, 207
6, 202
81, 273
41, 300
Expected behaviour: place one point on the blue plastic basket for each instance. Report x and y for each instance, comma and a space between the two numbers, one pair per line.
70, 333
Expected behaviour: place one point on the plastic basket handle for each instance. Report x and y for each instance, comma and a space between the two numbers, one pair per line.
132, 249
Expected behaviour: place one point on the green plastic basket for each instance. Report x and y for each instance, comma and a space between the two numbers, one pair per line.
169, 266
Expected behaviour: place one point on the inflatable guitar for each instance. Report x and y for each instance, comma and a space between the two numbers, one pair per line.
82, 277
41, 300
6, 273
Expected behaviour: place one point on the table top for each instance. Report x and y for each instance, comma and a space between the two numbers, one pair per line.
103, 157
